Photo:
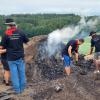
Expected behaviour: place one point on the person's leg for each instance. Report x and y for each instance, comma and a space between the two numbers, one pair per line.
99, 64
96, 64
7, 76
67, 65
6, 72
67, 70
99, 61
22, 76
14, 75
96, 61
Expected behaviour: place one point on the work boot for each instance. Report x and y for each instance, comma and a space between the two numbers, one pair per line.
6, 83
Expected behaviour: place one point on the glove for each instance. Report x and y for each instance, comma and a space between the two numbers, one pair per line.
76, 62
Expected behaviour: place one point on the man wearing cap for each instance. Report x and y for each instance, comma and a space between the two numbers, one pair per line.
95, 43
13, 41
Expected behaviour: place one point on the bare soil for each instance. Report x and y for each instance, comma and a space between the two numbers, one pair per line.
45, 74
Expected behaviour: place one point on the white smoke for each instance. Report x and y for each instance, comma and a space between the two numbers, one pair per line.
63, 35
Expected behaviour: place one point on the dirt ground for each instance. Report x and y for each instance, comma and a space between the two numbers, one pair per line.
72, 89
45, 74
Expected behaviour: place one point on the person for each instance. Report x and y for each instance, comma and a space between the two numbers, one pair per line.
95, 43
71, 47
5, 66
13, 41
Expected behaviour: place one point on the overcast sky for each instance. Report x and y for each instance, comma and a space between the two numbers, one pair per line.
83, 7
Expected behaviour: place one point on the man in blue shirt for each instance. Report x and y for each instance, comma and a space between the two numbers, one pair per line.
12, 41
95, 43
71, 47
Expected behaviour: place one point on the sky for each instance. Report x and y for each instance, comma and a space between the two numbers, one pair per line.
81, 7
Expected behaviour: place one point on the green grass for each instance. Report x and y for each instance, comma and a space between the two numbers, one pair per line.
85, 48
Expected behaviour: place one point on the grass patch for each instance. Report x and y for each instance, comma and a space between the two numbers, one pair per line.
85, 48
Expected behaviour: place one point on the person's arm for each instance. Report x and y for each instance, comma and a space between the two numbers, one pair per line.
4, 41
76, 57
24, 37
92, 47
2, 51
70, 51
76, 53
91, 50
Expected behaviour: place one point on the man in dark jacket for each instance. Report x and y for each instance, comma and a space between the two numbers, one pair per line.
95, 43
71, 47
13, 42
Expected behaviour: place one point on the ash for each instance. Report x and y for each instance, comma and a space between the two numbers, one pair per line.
45, 73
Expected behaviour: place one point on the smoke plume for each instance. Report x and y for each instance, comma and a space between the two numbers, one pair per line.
57, 37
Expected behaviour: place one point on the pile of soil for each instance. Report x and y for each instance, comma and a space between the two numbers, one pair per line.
46, 73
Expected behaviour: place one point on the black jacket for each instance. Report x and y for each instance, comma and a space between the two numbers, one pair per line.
13, 42
95, 42
74, 44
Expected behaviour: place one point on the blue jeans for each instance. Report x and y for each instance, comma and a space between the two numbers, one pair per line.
17, 70
67, 61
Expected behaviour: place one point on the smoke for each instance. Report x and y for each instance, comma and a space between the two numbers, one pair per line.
57, 37
86, 27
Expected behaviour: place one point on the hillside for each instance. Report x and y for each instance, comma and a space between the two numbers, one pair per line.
43, 24
45, 74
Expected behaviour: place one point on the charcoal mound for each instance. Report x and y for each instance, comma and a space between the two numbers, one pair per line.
45, 72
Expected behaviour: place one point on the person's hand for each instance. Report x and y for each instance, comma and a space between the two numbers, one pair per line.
76, 62
2, 51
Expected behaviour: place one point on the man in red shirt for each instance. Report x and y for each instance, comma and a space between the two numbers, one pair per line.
71, 47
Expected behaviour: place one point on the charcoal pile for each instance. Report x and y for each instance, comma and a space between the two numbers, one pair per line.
85, 64
51, 67
48, 68
46, 73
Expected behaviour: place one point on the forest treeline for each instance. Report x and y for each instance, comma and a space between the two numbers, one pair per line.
42, 24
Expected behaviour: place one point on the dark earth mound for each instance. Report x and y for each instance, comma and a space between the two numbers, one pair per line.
45, 74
